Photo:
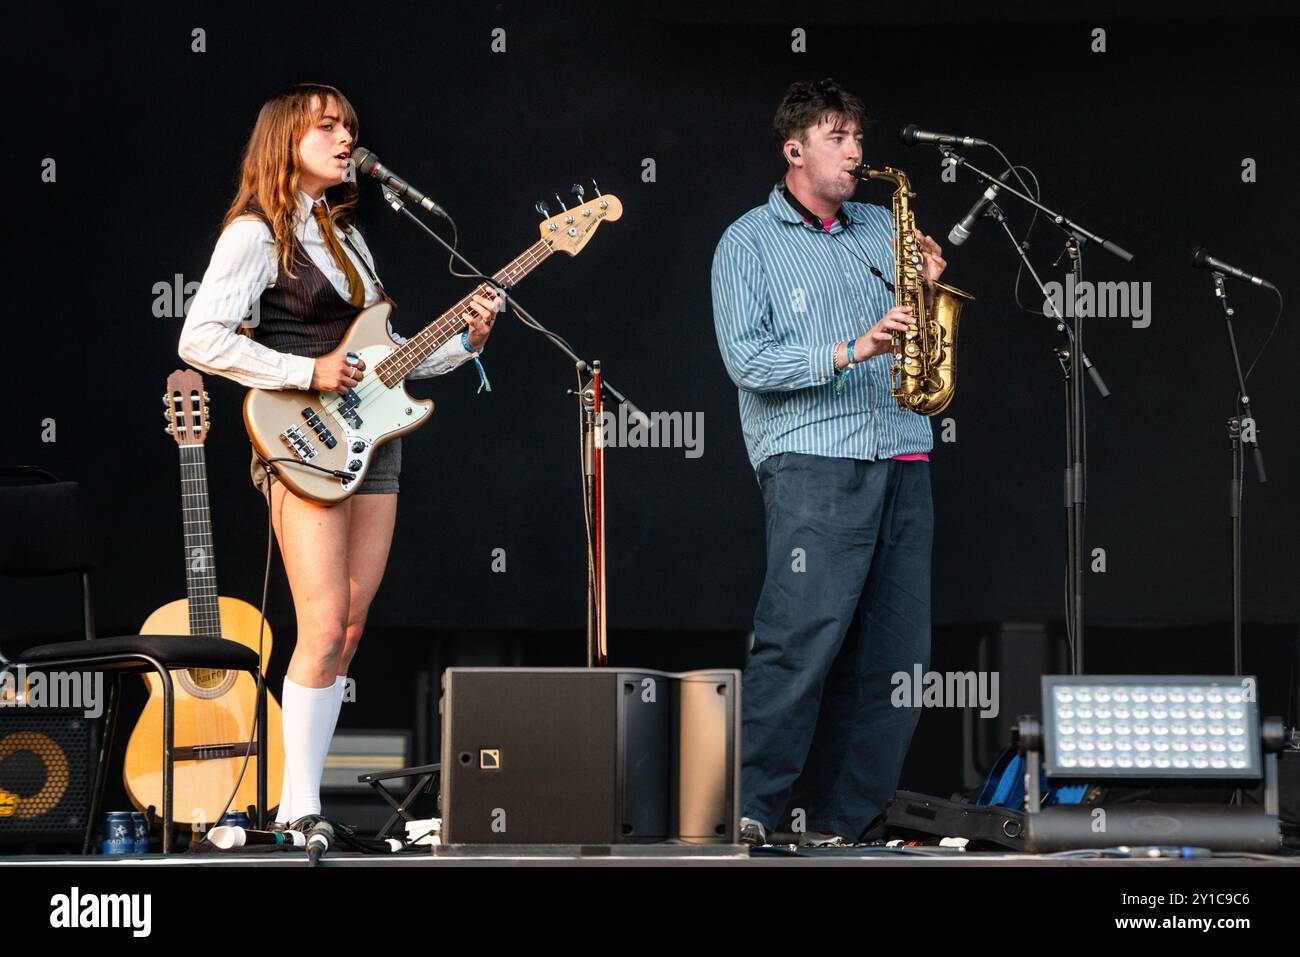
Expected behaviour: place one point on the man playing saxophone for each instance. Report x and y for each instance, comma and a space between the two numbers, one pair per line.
804, 314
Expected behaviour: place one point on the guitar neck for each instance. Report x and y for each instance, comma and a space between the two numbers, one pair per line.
397, 366
200, 552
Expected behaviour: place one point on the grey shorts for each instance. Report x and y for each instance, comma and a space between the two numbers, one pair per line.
381, 478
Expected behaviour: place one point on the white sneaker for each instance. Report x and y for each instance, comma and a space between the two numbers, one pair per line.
752, 832
822, 839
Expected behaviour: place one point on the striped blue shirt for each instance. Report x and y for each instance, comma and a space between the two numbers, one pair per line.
784, 293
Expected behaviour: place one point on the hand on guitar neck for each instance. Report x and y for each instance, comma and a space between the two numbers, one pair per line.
334, 373
484, 307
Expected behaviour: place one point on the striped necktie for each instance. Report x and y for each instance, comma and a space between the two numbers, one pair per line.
356, 290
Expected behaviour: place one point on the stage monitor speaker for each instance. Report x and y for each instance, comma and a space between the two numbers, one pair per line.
46, 773
589, 756
707, 755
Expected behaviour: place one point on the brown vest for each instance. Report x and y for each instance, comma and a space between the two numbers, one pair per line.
304, 316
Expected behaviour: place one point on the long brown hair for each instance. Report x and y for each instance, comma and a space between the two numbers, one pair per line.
269, 172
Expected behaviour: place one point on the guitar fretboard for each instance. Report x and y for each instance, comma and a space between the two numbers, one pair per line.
200, 552
397, 366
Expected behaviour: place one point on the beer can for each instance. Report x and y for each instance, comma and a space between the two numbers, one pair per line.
141, 832
119, 833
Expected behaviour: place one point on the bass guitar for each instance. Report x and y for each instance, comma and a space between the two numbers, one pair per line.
320, 444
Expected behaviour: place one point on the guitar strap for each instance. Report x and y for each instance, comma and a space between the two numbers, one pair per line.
347, 238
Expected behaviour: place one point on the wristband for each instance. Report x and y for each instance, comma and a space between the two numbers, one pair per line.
841, 373
483, 382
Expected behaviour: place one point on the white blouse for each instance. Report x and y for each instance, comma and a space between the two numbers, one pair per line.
243, 266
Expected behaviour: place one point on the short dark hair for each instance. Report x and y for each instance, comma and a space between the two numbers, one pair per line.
806, 104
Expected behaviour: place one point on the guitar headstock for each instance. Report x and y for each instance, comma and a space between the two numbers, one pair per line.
186, 407
572, 229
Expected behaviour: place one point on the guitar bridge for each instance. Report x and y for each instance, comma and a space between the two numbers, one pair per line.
298, 443
214, 752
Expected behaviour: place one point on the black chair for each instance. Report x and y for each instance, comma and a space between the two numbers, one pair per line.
44, 533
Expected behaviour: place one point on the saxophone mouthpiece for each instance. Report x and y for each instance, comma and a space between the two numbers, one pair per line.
860, 171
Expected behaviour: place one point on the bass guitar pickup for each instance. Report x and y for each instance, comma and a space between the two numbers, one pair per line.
348, 409
317, 425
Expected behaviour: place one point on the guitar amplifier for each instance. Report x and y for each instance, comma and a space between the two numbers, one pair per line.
589, 756
46, 773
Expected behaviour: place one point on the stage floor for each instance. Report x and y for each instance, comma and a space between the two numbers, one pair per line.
650, 856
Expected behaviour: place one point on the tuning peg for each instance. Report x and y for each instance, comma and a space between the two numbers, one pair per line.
596, 187
560, 201
166, 399
577, 189
541, 208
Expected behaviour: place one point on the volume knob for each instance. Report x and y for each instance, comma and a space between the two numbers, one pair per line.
358, 446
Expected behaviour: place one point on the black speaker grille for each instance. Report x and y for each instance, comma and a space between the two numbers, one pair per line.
44, 774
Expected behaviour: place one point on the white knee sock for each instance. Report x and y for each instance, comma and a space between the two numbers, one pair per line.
283, 815
286, 795
339, 682
309, 715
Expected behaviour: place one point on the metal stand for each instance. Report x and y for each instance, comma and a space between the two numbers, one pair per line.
1076, 472
1242, 430
425, 775
593, 471
1076, 443
1076, 446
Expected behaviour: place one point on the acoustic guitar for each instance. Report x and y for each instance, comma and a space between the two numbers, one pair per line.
214, 709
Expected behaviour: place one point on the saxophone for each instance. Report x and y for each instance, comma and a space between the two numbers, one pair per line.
924, 375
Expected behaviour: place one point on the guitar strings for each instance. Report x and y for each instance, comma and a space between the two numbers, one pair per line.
448, 322
536, 254
198, 545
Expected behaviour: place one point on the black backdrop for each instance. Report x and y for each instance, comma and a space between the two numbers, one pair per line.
1143, 143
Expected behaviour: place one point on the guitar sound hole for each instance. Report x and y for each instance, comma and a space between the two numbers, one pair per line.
207, 678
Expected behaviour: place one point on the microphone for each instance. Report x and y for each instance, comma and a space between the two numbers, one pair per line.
961, 232
1203, 260
319, 840
226, 837
367, 162
913, 134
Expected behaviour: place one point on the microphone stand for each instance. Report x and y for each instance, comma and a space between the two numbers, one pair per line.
1242, 430
593, 488
1070, 357
590, 397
